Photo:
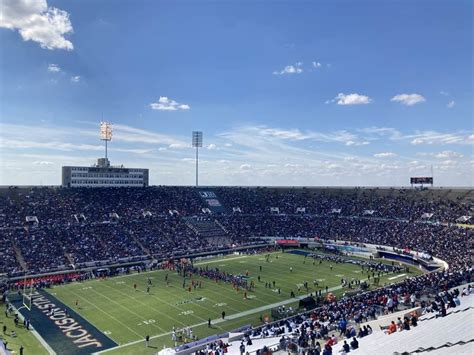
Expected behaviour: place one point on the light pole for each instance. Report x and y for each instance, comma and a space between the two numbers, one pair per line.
105, 134
197, 143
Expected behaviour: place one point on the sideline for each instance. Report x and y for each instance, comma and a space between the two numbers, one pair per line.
217, 259
48, 348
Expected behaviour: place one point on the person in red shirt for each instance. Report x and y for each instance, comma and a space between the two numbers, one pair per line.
392, 328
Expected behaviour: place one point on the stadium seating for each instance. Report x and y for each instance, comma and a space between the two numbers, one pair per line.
117, 224
123, 225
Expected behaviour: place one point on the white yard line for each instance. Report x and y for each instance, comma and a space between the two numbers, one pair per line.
107, 314
230, 317
396, 277
140, 317
35, 333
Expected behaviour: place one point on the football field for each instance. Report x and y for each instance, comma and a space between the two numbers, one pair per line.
126, 315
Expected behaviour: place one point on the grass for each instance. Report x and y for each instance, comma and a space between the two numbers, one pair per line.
24, 337
127, 315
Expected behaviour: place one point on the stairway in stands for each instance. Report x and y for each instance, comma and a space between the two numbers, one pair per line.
20, 258
146, 251
209, 228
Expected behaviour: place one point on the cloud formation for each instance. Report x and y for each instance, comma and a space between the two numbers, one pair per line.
54, 68
385, 155
290, 69
408, 99
351, 99
166, 104
37, 22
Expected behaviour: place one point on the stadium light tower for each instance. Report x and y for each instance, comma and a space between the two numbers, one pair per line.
197, 143
105, 134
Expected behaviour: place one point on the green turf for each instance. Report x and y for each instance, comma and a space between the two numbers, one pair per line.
126, 315
23, 337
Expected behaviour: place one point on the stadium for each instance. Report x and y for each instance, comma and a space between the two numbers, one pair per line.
236, 177
194, 268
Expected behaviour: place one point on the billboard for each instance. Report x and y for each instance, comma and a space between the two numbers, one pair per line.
288, 242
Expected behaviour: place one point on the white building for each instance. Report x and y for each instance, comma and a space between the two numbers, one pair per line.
103, 175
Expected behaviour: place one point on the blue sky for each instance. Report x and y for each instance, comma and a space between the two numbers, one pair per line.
286, 92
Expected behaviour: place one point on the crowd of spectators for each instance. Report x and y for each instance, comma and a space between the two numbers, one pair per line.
78, 226
390, 203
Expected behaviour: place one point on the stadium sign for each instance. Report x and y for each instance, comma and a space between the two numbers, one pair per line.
61, 327
68, 325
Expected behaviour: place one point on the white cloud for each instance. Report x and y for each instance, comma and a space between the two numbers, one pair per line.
75, 79
449, 162
451, 104
448, 154
444, 93
385, 155
43, 162
294, 134
351, 99
124, 133
259, 155
408, 99
166, 104
316, 64
433, 137
352, 143
178, 146
290, 69
54, 68
37, 22
212, 146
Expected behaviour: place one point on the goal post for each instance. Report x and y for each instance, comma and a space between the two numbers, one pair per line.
27, 293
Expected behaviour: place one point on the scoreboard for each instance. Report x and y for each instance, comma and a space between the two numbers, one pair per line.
421, 180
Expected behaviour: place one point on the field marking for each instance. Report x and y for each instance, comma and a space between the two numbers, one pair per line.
146, 305
169, 304
239, 314
220, 320
127, 309
396, 277
230, 317
233, 316
107, 314
38, 337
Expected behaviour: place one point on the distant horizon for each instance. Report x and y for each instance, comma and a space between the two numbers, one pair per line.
381, 187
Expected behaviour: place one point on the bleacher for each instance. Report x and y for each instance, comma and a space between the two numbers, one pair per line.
208, 228
442, 336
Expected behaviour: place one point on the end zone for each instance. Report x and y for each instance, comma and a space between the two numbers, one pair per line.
65, 331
